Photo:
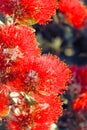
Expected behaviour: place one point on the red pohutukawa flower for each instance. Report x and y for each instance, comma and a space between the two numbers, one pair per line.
18, 43
40, 10
80, 103
74, 10
41, 76
21, 40
49, 74
47, 109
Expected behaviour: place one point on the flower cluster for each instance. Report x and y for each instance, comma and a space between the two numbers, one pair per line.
41, 11
74, 11
29, 83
